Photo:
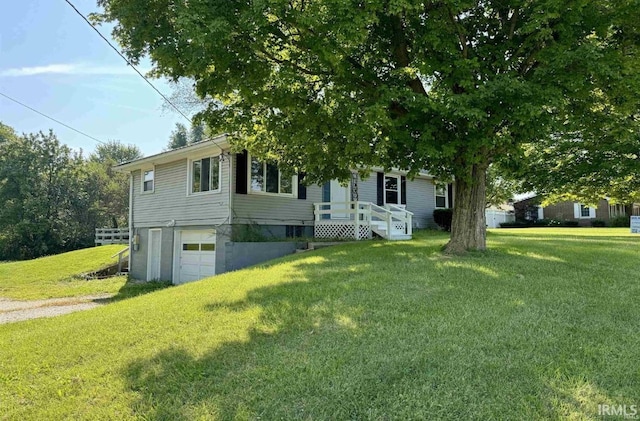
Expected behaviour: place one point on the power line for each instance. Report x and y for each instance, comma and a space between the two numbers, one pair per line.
128, 62
51, 118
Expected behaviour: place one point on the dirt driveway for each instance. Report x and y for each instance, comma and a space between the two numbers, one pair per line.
16, 311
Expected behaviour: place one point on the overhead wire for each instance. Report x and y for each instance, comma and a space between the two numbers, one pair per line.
128, 61
51, 118
167, 100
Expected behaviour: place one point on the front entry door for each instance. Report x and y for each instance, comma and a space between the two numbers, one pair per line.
340, 194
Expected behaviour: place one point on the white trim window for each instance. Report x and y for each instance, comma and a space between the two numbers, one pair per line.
581, 211
265, 177
204, 175
392, 187
442, 198
148, 180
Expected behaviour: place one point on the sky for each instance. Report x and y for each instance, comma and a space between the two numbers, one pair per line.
52, 61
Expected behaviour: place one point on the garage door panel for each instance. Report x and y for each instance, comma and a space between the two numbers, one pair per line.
197, 255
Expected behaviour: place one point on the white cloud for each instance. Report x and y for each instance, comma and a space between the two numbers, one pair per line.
69, 69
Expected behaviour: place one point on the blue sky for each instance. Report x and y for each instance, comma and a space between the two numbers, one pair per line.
51, 60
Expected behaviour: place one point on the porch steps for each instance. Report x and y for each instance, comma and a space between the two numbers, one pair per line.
380, 228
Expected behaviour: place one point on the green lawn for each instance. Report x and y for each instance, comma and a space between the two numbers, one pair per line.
57, 276
542, 326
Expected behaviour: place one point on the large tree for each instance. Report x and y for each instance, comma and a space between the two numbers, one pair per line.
110, 189
449, 85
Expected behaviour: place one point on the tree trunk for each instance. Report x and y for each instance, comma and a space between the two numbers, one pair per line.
469, 226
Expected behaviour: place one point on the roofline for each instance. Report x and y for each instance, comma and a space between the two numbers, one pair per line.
220, 141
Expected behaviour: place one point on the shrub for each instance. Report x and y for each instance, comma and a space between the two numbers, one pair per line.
570, 223
598, 223
443, 218
620, 221
515, 224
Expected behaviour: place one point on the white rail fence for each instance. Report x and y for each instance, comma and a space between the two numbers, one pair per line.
359, 220
112, 236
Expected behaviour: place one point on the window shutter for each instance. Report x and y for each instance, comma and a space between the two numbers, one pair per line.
450, 194
380, 199
302, 189
592, 212
403, 190
576, 210
241, 172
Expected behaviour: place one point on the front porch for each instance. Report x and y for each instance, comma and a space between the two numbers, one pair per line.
360, 220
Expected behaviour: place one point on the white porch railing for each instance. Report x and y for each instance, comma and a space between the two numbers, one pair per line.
359, 220
112, 236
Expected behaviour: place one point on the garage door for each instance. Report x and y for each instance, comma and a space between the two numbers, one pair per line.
197, 255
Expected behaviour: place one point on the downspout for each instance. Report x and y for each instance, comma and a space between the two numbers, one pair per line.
230, 217
131, 233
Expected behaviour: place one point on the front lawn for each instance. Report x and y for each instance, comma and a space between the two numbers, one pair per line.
542, 326
58, 275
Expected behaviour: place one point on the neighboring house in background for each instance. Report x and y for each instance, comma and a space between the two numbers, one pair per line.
496, 215
530, 210
193, 210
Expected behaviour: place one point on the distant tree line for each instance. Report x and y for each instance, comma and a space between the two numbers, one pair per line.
52, 198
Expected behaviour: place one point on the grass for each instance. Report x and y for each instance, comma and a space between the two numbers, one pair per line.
58, 275
542, 326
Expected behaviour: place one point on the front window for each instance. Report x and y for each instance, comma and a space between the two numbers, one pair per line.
441, 197
392, 189
584, 211
267, 178
148, 180
205, 175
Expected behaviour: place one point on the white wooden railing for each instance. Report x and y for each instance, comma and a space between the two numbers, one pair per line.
112, 236
358, 220
123, 256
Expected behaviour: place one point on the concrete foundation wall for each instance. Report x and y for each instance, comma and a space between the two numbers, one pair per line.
229, 255
241, 255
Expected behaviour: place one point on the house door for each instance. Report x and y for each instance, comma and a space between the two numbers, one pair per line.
153, 258
340, 194
197, 255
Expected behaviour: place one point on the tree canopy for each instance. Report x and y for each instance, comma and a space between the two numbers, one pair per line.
52, 199
450, 86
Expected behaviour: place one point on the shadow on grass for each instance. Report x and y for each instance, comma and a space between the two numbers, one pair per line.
383, 334
133, 288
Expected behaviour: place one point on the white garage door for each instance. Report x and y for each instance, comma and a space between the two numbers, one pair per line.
197, 255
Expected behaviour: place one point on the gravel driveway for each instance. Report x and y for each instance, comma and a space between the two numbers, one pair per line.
16, 311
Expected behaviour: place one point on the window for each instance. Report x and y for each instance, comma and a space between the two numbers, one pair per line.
441, 197
148, 180
581, 211
265, 177
584, 211
392, 189
205, 175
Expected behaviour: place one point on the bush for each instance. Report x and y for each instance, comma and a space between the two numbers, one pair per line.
598, 223
620, 221
515, 224
443, 218
547, 223
570, 223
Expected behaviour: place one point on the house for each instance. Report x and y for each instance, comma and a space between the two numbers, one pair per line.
529, 209
202, 210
